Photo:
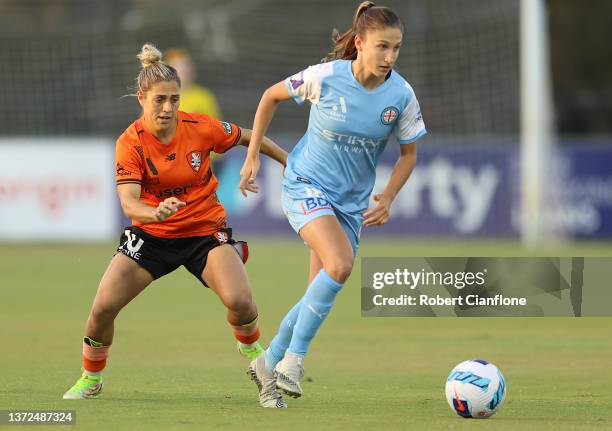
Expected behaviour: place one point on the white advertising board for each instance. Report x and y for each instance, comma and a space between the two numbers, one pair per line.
57, 189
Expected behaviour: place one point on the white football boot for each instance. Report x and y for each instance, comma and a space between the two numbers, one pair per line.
289, 372
269, 396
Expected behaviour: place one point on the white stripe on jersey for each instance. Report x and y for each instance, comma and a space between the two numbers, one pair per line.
306, 85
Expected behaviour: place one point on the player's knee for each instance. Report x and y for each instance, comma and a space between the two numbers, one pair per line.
240, 304
103, 312
340, 269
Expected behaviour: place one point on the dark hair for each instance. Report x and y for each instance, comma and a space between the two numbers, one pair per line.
153, 69
368, 17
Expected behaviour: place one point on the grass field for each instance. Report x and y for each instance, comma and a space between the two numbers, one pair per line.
174, 366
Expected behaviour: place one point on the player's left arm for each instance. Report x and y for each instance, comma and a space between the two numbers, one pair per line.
379, 214
268, 146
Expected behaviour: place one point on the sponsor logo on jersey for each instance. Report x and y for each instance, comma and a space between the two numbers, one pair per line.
297, 80
222, 237
195, 160
389, 115
166, 193
352, 143
227, 127
171, 157
339, 110
121, 171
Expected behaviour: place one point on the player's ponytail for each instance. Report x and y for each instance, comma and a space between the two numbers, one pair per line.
367, 17
153, 69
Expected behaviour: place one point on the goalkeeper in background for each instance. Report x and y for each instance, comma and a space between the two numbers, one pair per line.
166, 187
357, 101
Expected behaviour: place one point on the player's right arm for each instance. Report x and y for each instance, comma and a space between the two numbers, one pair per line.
135, 209
130, 169
265, 111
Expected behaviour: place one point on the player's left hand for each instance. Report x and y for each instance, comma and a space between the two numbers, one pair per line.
248, 173
379, 214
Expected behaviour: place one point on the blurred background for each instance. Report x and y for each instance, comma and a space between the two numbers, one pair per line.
516, 95
517, 99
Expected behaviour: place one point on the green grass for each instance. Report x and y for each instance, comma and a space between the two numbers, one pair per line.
174, 366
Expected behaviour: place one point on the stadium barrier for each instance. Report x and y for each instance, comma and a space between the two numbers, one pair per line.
466, 191
63, 189
57, 189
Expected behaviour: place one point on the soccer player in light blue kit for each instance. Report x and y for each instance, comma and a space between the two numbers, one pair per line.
357, 101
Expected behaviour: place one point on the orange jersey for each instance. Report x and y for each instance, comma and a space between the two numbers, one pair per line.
181, 169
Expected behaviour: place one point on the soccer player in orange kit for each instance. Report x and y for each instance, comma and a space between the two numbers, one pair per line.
167, 188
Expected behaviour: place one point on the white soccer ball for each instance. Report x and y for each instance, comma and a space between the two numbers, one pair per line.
475, 389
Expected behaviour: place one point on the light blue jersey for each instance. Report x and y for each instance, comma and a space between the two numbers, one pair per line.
348, 130
331, 171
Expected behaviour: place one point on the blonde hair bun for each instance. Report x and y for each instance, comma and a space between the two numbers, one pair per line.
149, 55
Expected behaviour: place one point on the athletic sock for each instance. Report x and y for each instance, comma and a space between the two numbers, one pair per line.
94, 356
316, 305
247, 333
278, 345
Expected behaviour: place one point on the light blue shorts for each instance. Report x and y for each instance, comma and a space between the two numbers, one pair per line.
303, 202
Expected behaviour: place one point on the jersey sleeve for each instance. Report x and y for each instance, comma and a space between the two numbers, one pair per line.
410, 125
306, 85
223, 135
129, 162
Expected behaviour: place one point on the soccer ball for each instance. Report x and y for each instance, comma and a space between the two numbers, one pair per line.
475, 389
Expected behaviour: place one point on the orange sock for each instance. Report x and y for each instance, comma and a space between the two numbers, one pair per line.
94, 355
247, 333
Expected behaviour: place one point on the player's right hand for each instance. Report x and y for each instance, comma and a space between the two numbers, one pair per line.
168, 207
248, 173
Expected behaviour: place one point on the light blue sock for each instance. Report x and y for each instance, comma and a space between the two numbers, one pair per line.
316, 305
278, 345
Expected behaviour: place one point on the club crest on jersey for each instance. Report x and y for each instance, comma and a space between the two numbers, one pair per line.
227, 127
389, 115
222, 237
195, 160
